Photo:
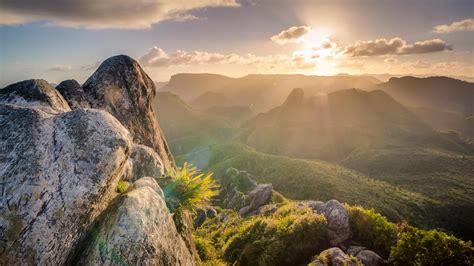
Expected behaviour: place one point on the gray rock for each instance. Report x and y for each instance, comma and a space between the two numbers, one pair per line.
144, 161
34, 93
72, 92
261, 195
317, 206
149, 182
354, 250
211, 212
58, 172
338, 222
370, 258
336, 257
200, 218
121, 87
137, 229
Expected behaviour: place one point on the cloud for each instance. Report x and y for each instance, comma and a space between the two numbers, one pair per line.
463, 25
351, 64
395, 46
92, 66
60, 68
104, 13
291, 35
390, 60
158, 58
417, 64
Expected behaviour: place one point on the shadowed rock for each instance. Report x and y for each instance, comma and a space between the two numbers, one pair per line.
71, 91
121, 87
34, 93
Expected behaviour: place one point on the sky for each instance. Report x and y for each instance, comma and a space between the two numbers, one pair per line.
58, 40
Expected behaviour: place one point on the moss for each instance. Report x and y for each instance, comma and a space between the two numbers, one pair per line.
122, 186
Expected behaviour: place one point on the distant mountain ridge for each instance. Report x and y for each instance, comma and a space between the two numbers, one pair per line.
260, 92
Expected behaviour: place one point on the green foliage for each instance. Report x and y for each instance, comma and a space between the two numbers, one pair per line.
423, 247
371, 229
188, 189
289, 236
205, 249
122, 186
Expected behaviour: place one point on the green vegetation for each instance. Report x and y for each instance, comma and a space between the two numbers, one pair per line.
289, 235
188, 189
122, 186
422, 247
372, 230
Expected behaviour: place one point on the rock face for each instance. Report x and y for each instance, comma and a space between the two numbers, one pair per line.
59, 170
338, 220
34, 93
72, 92
55, 177
138, 229
144, 161
121, 87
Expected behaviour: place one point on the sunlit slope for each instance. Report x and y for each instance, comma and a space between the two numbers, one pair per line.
424, 205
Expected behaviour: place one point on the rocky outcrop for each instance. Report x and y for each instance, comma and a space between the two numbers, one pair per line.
336, 257
203, 214
240, 191
137, 229
338, 220
259, 196
367, 257
36, 93
58, 172
121, 87
72, 92
144, 161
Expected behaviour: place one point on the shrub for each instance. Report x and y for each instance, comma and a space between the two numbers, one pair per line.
372, 229
289, 236
187, 188
423, 247
122, 186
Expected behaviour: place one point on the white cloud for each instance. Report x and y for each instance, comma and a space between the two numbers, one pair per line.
60, 68
291, 35
101, 14
157, 57
390, 60
463, 25
395, 46
417, 64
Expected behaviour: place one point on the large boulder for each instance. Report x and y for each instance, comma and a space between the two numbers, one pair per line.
259, 196
58, 172
35, 93
136, 229
367, 257
72, 92
121, 87
144, 161
338, 220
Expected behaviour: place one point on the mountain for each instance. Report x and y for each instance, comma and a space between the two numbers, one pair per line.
332, 126
210, 99
438, 93
259, 92
444, 121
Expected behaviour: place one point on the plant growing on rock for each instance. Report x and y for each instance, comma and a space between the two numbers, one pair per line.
186, 188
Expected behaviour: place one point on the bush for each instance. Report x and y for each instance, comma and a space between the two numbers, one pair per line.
187, 188
423, 247
371, 229
122, 186
289, 236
